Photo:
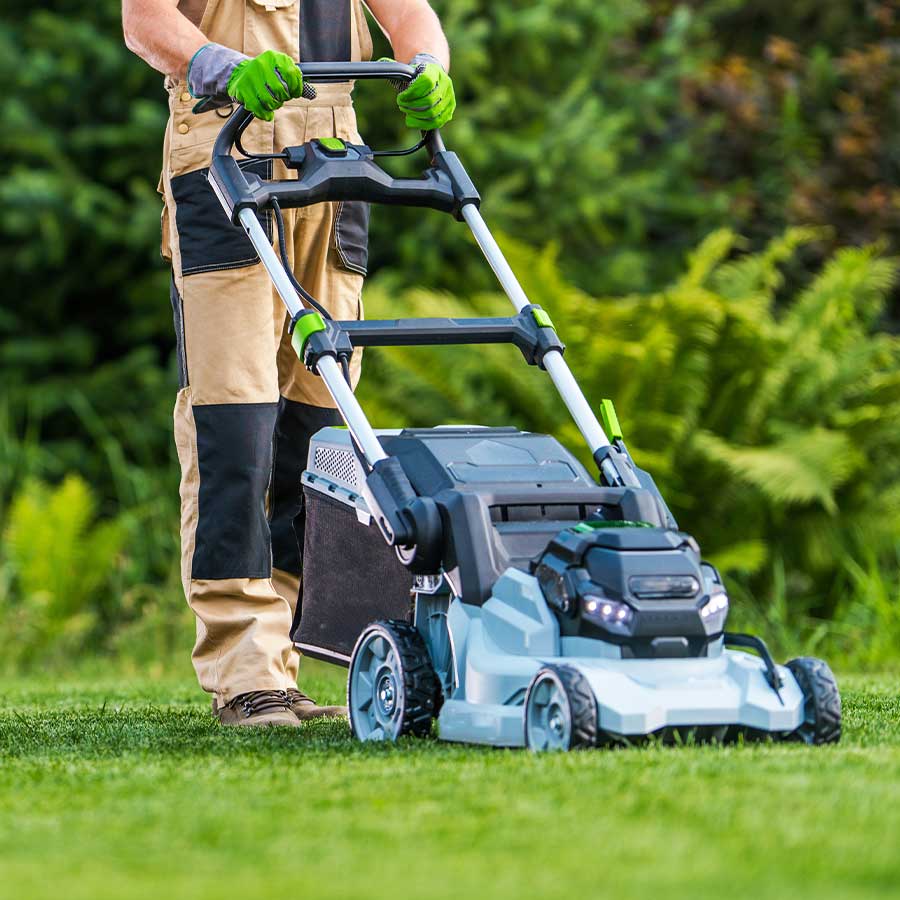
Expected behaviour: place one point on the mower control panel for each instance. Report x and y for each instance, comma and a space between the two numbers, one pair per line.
331, 169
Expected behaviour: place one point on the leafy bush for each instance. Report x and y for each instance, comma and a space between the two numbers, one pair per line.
56, 560
624, 132
810, 132
70, 582
771, 423
627, 131
615, 136
571, 121
86, 338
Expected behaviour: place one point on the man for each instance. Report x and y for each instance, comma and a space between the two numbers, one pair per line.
246, 407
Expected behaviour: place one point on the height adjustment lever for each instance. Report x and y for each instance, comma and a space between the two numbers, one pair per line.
409, 523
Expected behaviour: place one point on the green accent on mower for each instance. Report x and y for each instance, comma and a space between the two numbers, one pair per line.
588, 527
610, 420
542, 317
332, 145
306, 325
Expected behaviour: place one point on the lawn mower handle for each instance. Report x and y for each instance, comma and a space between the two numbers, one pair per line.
351, 173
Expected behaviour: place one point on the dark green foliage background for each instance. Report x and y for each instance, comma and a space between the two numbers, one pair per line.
84, 312
620, 132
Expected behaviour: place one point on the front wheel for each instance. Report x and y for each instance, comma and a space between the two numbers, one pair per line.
822, 707
560, 711
392, 688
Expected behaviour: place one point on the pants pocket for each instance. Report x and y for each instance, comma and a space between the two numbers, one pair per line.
208, 241
351, 235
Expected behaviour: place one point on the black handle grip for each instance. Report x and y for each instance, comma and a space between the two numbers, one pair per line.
387, 70
444, 186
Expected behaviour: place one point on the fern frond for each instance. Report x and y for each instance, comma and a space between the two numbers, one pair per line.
804, 467
704, 260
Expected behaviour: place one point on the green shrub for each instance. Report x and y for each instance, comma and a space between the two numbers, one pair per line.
771, 423
809, 133
85, 325
57, 562
614, 129
70, 582
572, 124
616, 135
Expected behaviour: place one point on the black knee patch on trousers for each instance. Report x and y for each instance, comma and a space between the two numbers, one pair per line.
234, 452
297, 423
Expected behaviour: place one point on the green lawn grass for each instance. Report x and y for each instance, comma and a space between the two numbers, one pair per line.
128, 789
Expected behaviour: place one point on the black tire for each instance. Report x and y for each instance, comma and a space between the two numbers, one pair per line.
412, 679
822, 710
580, 710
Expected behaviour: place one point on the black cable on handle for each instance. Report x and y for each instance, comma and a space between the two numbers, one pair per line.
282, 247
407, 151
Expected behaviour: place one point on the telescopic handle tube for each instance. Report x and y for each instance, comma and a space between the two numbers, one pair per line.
328, 369
347, 404
553, 362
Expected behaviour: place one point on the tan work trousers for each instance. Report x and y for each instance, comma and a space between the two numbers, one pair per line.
247, 406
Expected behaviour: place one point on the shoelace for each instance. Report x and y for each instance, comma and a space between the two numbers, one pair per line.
295, 695
256, 702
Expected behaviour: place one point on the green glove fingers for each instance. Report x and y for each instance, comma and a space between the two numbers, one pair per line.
265, 83
429, 101
291, 76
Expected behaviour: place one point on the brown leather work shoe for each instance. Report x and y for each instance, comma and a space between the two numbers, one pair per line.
306, 708
259, 708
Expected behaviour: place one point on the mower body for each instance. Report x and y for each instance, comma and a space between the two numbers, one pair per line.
501, 646
481, 575
506, 603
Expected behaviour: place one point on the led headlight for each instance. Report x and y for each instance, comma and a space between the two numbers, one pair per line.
611, 614
718, 602
663, 587
718, 598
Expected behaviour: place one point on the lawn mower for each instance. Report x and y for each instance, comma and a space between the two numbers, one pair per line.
480, 576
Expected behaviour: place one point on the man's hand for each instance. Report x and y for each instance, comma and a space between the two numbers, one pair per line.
219, 74
265, 83
412, 27
429, 101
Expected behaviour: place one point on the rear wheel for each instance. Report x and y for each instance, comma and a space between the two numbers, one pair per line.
822, 710
392, 688
560, 711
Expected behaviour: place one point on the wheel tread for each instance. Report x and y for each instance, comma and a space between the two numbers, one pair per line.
420, 682
820, 688
582, 704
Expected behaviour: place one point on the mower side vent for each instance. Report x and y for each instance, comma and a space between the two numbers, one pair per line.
337, 464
